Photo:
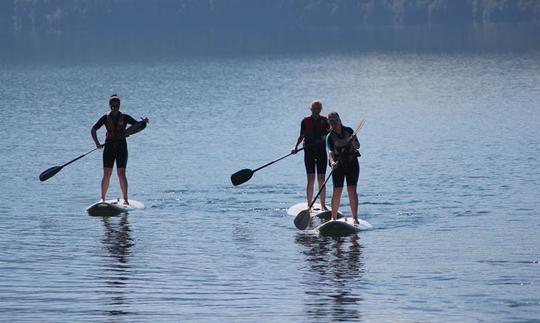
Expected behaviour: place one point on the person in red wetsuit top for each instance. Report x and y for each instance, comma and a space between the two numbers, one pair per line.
313, 131
115, 146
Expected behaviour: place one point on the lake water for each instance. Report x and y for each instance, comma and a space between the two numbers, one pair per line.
450, 175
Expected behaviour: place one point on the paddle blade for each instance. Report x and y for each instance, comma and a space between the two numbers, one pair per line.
301, 221
49, 173
241, 176
139, 126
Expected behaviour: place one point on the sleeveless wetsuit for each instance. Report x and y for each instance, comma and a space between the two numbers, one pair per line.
314, 132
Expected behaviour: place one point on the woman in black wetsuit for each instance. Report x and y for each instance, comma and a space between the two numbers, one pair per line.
115, 145
343, 156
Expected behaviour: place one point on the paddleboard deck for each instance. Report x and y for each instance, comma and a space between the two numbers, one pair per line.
113, 207
316, 211
342, 227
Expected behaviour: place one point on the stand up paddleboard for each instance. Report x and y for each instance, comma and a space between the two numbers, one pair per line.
113, 207
316, 211
342, 227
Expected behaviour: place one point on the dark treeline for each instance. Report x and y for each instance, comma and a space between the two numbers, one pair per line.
166, 16
145, 29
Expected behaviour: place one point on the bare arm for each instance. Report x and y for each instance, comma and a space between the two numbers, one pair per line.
298, 141
95, 138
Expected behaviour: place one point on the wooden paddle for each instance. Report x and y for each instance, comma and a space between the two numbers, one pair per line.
139, 126
302, 219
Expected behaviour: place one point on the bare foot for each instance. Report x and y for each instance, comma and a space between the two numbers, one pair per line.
356, 221
126, 202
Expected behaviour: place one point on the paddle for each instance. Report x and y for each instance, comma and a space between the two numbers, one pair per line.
244, 175
301, 221
139, 126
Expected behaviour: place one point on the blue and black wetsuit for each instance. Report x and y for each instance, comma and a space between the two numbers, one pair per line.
345, 155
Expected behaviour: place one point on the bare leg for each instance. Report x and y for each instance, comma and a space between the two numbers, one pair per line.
105, 182
322, 197
336, 198
309, 187
123, 183
353, 201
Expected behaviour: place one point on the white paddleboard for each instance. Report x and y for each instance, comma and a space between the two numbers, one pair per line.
315, 211
297, 208
113, 207
343, 227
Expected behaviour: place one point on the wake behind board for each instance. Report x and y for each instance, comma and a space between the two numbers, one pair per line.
113, 207
343, 227
315, 211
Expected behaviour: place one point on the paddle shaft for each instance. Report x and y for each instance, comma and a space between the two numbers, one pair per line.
91, 151
275, 161
285, 156
81, 156
108, 142
321, 189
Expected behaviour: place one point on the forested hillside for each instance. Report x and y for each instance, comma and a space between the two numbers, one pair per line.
128, 16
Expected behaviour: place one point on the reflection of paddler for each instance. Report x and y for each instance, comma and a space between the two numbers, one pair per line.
343, 156
117, 239
313, 130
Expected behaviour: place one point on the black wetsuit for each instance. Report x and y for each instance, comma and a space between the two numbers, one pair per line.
346, 157
116, 144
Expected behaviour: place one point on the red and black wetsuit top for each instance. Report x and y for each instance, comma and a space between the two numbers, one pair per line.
314, 131
116, 125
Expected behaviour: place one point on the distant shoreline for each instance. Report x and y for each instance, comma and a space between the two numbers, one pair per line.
83, 46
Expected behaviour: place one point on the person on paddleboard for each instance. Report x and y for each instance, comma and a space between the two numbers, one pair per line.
115, 146
343, 156
313, 130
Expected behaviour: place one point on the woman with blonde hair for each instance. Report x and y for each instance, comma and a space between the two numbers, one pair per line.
313, 131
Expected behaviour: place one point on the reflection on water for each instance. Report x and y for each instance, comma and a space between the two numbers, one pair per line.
336, 267
117, 242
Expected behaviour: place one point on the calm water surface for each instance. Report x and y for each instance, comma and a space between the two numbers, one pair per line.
450, 175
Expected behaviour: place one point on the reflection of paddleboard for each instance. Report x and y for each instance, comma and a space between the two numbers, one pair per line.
342, 227
113, 207
315, 211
